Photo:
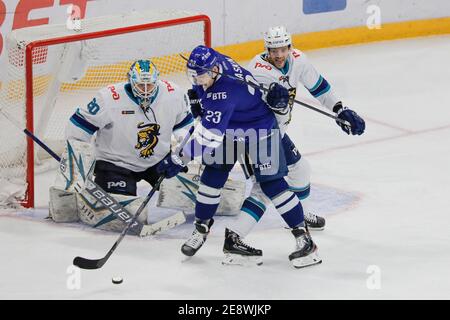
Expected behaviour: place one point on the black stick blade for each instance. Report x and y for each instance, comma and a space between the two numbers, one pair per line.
84, 263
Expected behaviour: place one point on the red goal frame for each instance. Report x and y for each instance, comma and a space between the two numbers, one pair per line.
28, 202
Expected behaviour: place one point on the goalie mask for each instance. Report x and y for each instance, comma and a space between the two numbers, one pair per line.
200, 64
142, 77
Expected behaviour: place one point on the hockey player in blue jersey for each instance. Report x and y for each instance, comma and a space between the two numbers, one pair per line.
232, 109
290, 67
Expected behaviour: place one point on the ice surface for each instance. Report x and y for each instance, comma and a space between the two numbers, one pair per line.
384, 194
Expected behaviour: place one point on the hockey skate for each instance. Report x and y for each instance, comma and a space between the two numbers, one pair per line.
314, 222
239, 253
198, 237
305, 253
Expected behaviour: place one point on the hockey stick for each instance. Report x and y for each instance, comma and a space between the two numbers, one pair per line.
32, 136
104, 197
264, 89
91, 187
120, 212
84, 263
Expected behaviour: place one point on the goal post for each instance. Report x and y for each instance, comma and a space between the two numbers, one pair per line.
51, 70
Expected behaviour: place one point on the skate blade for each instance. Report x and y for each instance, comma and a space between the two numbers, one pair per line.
316, 228
239, 260
309, 260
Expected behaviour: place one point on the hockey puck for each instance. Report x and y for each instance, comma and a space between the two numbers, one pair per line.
117, 280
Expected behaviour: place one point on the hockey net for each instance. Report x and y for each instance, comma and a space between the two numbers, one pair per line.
51, 70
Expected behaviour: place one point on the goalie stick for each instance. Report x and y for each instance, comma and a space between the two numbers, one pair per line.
85, 263
124, 215
106, 199
264, 89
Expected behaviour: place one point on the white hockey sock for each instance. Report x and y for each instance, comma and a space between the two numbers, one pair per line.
251, 212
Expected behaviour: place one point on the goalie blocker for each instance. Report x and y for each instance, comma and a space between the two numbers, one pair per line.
74, 197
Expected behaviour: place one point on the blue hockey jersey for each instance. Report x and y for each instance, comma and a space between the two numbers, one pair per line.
230, 104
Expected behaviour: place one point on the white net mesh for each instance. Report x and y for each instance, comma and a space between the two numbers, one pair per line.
67, 75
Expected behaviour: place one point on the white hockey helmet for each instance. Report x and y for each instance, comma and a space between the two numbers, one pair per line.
277, 37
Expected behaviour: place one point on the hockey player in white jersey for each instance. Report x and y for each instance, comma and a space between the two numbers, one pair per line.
131, 124
287, 66
134, 122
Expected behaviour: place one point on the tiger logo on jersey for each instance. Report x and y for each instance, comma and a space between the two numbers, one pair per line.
147, 139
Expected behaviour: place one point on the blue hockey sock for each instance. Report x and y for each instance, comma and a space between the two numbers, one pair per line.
285, 201
207, 202
208, 194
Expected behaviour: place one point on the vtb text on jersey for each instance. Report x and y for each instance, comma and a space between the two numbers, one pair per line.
230, 104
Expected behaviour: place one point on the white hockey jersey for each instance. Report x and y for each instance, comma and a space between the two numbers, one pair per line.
125, 134
298, 69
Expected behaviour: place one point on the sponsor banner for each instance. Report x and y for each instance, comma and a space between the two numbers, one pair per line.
230, 18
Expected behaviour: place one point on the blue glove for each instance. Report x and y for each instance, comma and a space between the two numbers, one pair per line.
357, 124
277, 96
194, 101
170, 166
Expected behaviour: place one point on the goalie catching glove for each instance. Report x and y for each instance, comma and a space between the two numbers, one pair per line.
357, 124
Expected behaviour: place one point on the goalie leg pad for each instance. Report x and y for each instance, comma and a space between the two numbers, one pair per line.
95, 214
63, 205
76, 165
180, 193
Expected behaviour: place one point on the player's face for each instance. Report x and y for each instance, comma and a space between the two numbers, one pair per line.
145, 88
278, 56
205, 80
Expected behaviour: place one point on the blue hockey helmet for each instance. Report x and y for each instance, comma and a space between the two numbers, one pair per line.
142, 77
201, 61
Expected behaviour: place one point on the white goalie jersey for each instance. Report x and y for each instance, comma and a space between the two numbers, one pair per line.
125, 134
298, 69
